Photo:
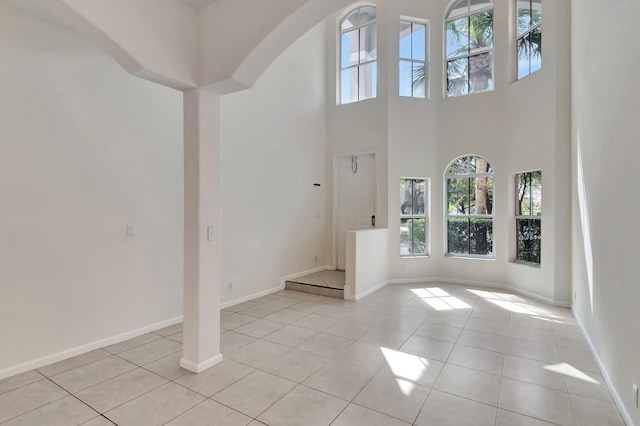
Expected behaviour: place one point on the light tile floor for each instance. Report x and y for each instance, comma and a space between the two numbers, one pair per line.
433, 354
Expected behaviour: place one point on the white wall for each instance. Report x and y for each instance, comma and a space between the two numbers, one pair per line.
606, 101
520, 126
367, 262
273, 150
85, 149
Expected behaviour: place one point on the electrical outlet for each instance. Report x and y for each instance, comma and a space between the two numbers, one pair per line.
230, 286
635, 393
131, 230
316, 258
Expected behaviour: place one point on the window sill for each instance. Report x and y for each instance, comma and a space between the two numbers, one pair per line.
529, 264
469, 257
418, 256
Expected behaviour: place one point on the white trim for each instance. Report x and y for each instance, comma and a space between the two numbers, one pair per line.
614, 392
200, 367
521, 292
79, 350
276, 288
366, 292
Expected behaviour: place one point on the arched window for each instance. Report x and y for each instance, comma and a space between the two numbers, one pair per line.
469, 208
528, 36
358, 55
469, 38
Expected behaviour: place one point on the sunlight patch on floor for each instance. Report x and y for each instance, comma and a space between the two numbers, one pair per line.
407, 368
570, 371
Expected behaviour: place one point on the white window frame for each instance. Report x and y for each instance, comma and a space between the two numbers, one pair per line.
360, 63
469, 55
447, 177
525, 217
425, 216
425, 62
526, 34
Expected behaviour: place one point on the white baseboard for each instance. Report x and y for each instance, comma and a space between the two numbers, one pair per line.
614, 392
521, 292
201, 366
79, 350
371, 290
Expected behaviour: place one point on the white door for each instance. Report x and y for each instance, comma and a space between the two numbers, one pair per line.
356, 198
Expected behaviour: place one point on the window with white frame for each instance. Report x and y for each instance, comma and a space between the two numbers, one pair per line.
529, 217
529, 36
469, 210
358, 55
413, 59
413, 217
469, 47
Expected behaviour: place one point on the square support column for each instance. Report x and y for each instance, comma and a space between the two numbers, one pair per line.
201, 347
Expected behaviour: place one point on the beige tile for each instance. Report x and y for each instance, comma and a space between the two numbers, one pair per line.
532, 350
385, 338
308, 306
132, 343
240, 307
355, 415
168, 331
428, 347
443, 409
168, 367
114, 392
295, 365
395, 397
438, 331
286, 316
29, 397
580, 360
290, 335
531, 371
401, 322
178, 337
283, 301
449, 319
373, 318
315, 322
590, 385
348, 329
509, 418
150, 352
210, 413
591, 412
262, 310
412, 368
258, 353
64, 412
259, 328
340, 379
364, 355
255, 393
536, 401
75, 362
336, 312
98, 421
488, 326
303, 406
156, 407
233, 321
532, 322
572, 341
90, 375
325, 345
216, 378
531, 333
232, 341
467, 383
477, 339
19, 380
478, 359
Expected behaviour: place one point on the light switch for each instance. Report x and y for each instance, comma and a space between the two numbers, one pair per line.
211, 233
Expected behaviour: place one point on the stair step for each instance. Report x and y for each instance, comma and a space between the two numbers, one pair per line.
314, 289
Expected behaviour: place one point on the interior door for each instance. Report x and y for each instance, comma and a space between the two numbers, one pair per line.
356, 198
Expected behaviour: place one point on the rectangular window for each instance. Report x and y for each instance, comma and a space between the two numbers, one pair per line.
413, 59
413, 217
529, 36
529, 217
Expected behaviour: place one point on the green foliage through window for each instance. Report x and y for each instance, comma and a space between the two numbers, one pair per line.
528, 217
413, 217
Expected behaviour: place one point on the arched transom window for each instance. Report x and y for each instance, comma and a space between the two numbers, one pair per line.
469, 51
358, 55
469, 210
